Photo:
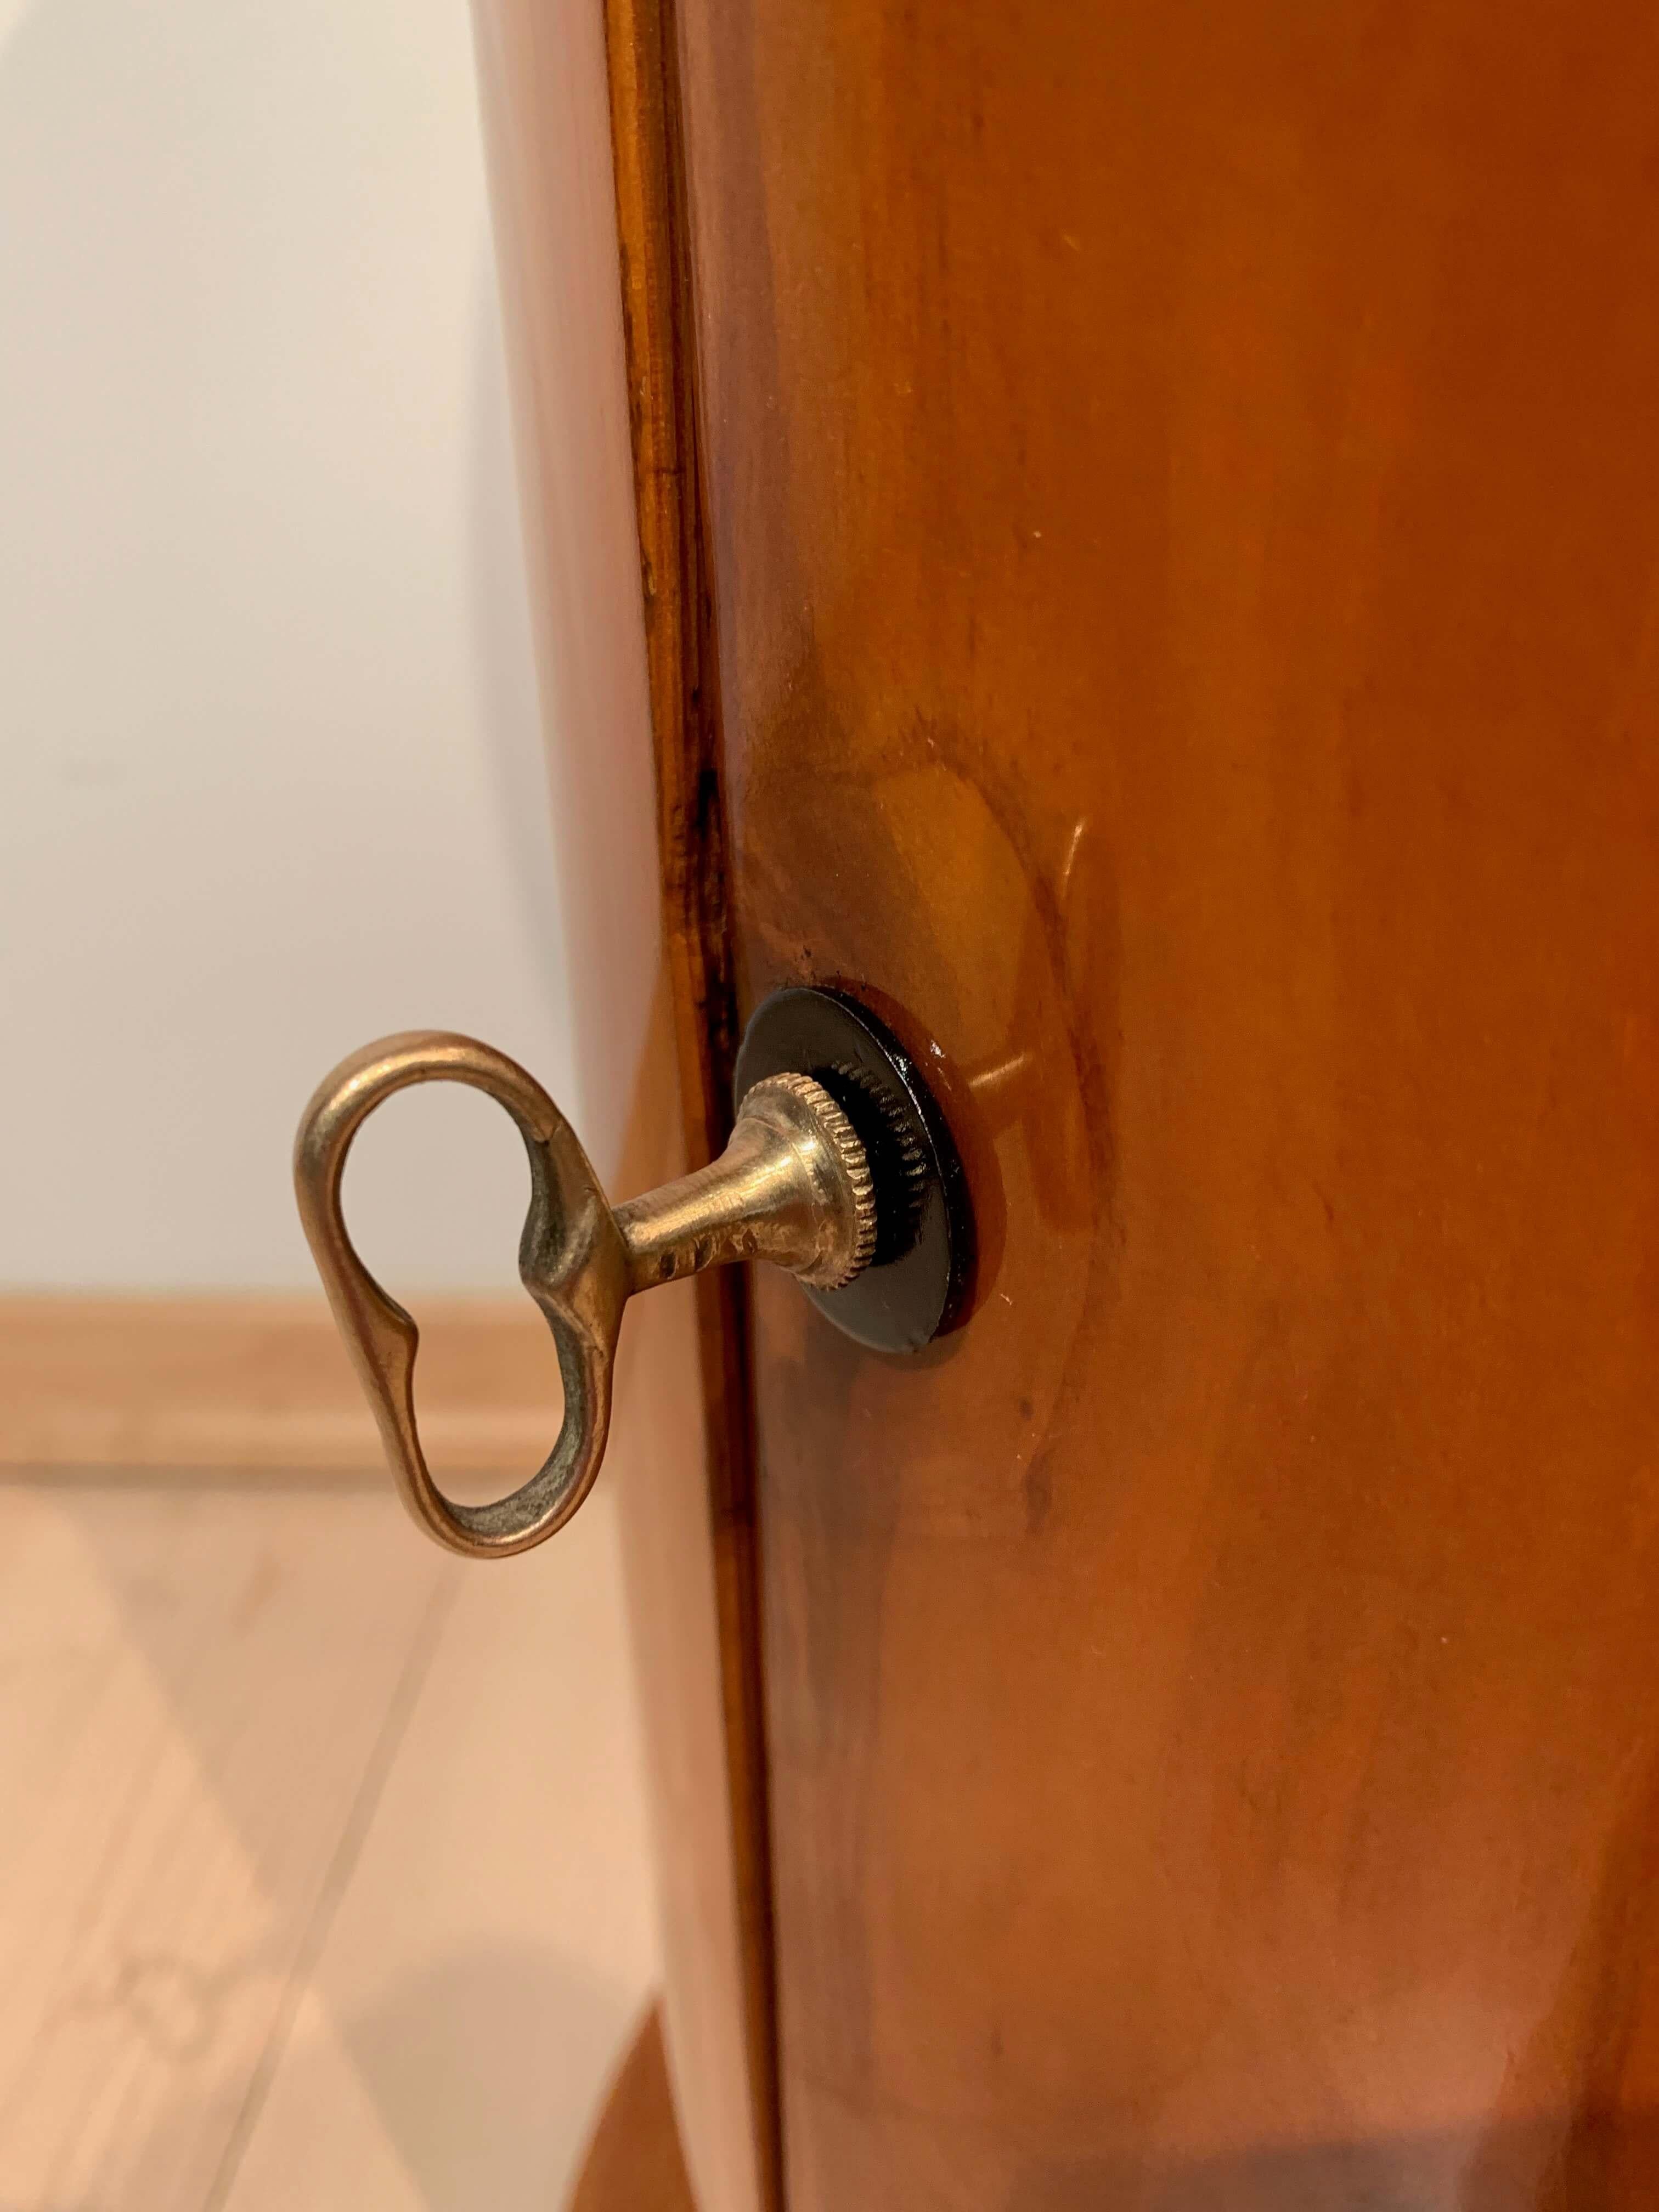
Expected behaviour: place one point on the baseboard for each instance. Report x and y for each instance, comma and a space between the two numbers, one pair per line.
261, 1382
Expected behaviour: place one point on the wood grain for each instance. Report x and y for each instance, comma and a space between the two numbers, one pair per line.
642, 41
1183, 500
683, 1400
173, 1385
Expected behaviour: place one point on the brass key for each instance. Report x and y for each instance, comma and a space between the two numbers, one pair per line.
793, 1185
845, 1175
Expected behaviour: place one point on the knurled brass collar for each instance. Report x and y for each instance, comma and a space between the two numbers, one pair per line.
851, 1167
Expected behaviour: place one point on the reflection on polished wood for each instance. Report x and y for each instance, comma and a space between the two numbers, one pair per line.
643, 57
687, 1496
634, 2163
1184, 495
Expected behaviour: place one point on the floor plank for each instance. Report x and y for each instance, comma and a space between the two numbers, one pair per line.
194, 1689
495, 1946
313, 1878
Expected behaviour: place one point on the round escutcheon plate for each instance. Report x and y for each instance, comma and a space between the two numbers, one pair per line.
916, 1287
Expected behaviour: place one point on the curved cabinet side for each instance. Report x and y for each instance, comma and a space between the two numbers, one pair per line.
1183, 489
543, 75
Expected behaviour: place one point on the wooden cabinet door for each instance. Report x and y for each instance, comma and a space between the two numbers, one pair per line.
1165, 596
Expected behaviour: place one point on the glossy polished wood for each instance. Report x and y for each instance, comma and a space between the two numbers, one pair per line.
654, 239
634, 2163
549, 87
1184, 493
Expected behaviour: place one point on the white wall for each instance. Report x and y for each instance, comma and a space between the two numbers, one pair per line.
270, 779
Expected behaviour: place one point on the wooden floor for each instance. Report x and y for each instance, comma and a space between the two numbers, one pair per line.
323, 1862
